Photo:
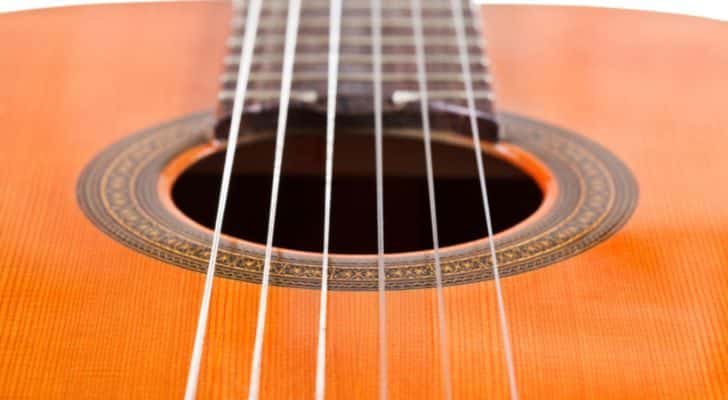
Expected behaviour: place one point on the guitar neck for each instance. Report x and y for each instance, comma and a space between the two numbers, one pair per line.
446, 94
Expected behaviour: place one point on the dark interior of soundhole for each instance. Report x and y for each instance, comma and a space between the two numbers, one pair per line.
299, 224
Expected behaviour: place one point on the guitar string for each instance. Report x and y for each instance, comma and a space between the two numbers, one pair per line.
334, 39
376, 15
294, 11
246, 56
457, 13
237, 112
416, 11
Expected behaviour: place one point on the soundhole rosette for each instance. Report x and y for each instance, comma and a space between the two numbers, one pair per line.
588, 195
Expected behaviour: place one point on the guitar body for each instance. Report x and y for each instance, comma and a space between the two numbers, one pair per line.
642, 314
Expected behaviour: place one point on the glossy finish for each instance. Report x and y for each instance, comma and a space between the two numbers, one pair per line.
643, 315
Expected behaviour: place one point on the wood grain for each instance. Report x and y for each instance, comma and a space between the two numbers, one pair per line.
643, 315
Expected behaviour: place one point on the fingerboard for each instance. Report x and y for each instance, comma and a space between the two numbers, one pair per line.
446, 93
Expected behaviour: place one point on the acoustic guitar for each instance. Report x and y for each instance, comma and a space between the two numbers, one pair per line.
362, 200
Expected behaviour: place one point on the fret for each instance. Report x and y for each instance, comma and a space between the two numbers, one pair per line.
386, 13
229, 79
398, 97
273, 47
388, 30
391, 4
351, 22
352, 88
361, 59
427, 6
234, 42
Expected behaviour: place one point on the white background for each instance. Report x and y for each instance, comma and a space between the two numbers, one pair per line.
717, 9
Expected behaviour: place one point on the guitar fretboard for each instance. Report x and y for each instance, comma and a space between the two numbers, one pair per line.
444, 73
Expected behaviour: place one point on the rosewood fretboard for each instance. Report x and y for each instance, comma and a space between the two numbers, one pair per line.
401, 108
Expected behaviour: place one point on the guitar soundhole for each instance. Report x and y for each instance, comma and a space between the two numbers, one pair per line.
299, 225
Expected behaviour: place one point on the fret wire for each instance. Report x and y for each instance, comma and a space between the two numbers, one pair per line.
395, 48
391, 4
353, 21
263, 95
350, 30
306, 76
361, 11
234, 42
347, 88
360, 59
316, 4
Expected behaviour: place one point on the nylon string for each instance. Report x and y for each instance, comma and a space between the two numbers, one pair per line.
294, 11
246, 57
457, 13
376, 10
334, 39
424, 107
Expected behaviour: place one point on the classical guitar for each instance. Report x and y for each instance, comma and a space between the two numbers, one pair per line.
362, 199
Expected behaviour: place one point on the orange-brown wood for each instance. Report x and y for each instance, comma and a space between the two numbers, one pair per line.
642, 315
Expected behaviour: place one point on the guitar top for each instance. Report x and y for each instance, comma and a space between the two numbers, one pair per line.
399, 199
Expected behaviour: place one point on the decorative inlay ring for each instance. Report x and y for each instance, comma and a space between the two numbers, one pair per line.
118, 192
